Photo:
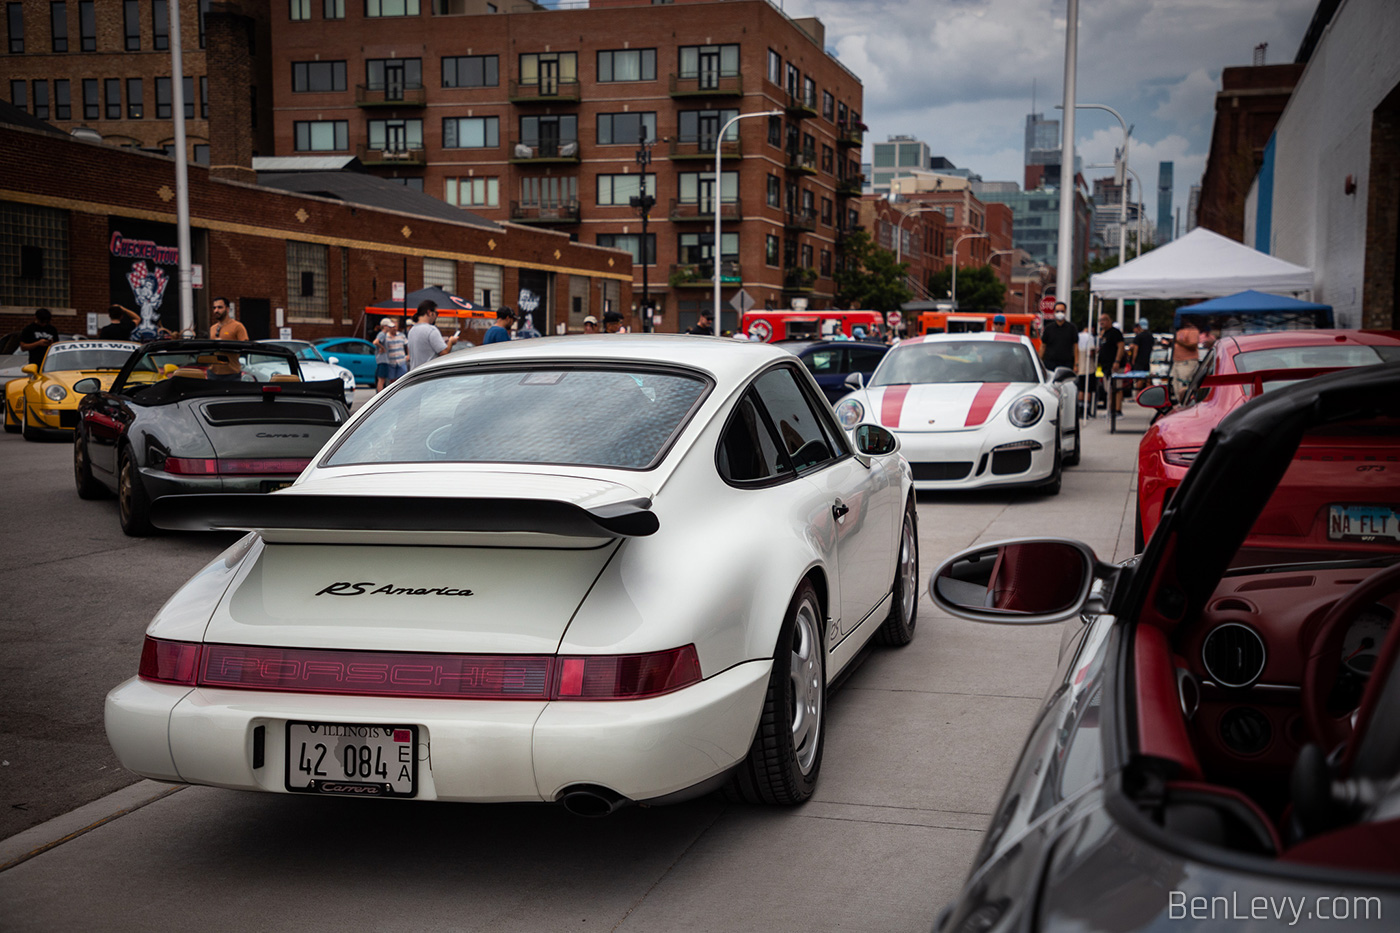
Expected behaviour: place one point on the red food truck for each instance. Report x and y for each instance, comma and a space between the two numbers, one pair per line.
769, 326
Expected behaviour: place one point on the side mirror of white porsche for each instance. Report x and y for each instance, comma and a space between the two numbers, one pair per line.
1061, 374
855, 381
873, 440
1016, 582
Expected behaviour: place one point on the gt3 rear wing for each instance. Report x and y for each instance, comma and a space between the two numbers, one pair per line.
1257, 379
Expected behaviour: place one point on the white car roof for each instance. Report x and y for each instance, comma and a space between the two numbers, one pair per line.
988, 336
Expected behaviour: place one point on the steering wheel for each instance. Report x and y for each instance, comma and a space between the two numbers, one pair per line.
1320, 671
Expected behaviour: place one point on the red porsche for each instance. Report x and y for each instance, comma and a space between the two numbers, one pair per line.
1237, 370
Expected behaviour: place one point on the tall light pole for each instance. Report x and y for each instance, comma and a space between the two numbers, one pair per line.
1123, 188
719, 149
956, 243
644, 202
1064, 272
182, 172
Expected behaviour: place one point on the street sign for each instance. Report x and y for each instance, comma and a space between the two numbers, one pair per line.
196, 275
742, 302
396, 291
284, 333
1047, 304
892, 319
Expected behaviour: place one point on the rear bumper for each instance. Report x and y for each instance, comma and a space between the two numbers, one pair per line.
468, 750
159, 483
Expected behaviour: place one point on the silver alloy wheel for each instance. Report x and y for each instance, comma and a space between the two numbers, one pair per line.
808, 686
124, 481
908, 571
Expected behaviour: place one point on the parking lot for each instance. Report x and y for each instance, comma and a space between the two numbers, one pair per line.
920, 742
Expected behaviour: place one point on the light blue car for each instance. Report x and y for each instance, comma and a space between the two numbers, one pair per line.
353, 353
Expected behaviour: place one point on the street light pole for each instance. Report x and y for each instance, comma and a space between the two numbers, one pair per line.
644, 202
1064, 272
719, 149
1137, 247
956, 243
1123, 190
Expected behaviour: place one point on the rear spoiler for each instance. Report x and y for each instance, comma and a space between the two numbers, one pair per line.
286, 511
1267, 375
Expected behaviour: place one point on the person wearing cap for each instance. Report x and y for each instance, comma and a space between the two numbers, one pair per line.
500, 331
590, 325
390, 354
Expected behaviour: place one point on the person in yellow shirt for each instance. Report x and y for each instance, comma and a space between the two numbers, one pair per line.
224, 326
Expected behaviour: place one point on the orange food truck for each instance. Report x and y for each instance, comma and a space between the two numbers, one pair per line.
788, 324
973, 322
454, 314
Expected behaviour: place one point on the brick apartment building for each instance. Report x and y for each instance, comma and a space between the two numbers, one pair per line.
104, 65
537, 116
915, 236
84, 225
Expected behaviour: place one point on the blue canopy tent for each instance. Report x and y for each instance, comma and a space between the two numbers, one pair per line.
1250, 311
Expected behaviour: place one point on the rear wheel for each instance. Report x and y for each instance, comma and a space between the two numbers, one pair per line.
786, 755
88, 487
898, 627
133, 504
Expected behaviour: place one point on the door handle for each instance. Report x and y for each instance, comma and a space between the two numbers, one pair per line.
839, 510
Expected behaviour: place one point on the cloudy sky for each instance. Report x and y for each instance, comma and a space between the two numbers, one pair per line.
958, 74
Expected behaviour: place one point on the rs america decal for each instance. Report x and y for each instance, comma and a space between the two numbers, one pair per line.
388, 589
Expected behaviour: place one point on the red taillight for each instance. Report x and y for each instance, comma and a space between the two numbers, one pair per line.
169, 662
192, 466
1180, 456
628, 676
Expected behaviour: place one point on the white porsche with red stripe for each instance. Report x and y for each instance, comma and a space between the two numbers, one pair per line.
972, 411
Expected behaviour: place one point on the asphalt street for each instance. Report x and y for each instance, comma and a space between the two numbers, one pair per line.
920, 742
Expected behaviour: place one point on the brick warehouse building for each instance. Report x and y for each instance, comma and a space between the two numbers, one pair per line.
67, 206
536, 117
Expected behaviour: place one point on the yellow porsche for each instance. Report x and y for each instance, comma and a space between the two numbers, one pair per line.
44, 401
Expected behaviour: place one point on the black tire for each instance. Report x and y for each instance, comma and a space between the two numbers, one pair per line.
898, 628
88, 487
133, 504
30, 434
11, 420
1139, 543
786, 755
1056, 480
1072, 458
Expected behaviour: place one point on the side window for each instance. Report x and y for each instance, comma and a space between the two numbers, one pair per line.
799, 428
1194, 393
747, 452
825, 361
865, 360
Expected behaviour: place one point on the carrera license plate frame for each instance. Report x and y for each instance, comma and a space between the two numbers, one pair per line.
351, 759
1363, 523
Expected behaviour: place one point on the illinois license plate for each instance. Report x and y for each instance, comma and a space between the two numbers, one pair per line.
353, 759
1363, 523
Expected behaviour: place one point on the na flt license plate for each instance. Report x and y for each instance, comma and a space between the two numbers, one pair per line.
1363, 523
352, 758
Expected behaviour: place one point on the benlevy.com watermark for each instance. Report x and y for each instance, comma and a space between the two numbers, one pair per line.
1288, 909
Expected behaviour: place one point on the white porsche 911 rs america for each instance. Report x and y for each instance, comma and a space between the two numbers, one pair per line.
585, 570
972, 411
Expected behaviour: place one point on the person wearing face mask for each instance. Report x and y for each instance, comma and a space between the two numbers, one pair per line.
1058, 340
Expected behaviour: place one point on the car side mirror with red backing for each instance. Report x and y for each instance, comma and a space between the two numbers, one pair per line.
1155, 397
1027, 582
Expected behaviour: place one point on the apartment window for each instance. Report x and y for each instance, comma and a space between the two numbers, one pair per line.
775, 68
550, 191
770, 251
201, 153
619, 190
809, 92
300, 10
706, 61
112, 88
826, 211
308, 292
627, 65
391, 7
702, 126
62, 103
548, 135
391, 74
333, 9
14, 17
41, 99
826, 264
58, 15
160, 24
629, 128
395, 135
440, 272
311, 135
471, 132
699, 247
204, 97
163, 99
473, 192
699, 187
187, 92
809, 144
92, 107
775, 191
318, 76
203, 12
548, 69
134, 108
131, 24
794, 78
789, 253
841, 116
828, 105
34, 244
775, 131
828, 159
632, 243
19, 95
806, 256
87, 26
471, 71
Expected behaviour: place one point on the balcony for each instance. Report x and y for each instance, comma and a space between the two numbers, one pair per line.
802, 161
544, 151
392, 95
850, 134
548, 92
703, 147
701, 274
704, 210
549, 212
801, 106
395, 156
707, 85
801, 221
850, 186
800, 279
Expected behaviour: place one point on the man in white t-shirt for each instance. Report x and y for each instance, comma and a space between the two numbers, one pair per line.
425, 341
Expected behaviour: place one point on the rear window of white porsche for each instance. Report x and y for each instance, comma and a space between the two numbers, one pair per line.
570, 416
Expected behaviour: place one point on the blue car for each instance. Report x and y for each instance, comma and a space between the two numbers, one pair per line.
831, 361
353, 353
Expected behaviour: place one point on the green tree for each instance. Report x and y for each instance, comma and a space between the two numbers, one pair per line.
979, 289
871, 278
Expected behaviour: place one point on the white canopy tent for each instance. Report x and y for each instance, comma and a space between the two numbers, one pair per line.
1201, 264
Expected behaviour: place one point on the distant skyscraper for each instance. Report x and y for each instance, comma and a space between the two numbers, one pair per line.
1164, 202
901, 155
